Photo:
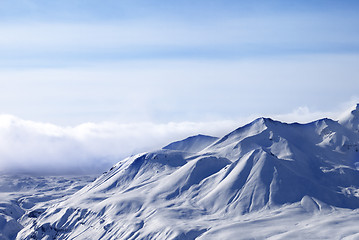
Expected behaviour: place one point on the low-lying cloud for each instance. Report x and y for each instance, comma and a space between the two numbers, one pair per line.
43, 148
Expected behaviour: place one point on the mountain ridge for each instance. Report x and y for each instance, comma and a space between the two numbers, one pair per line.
261, 166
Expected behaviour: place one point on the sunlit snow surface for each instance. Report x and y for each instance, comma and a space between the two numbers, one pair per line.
266, 179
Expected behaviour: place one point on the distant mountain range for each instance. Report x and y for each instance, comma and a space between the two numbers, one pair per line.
202, 186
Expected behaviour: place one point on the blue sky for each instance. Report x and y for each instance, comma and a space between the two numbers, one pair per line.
69, 62
84, 84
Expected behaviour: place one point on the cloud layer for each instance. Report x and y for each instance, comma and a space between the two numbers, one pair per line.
67, 62
43, 148
78, 42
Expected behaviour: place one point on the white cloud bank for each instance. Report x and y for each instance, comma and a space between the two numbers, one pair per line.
42, 148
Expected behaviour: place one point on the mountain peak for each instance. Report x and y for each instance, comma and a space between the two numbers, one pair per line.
351, 119
263, 165
356, 110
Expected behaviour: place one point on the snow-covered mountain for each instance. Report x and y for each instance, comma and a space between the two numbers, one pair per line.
192, 144
351, 119
219, 188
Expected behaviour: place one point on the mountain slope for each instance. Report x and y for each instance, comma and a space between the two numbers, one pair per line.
192, 144
190, 187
